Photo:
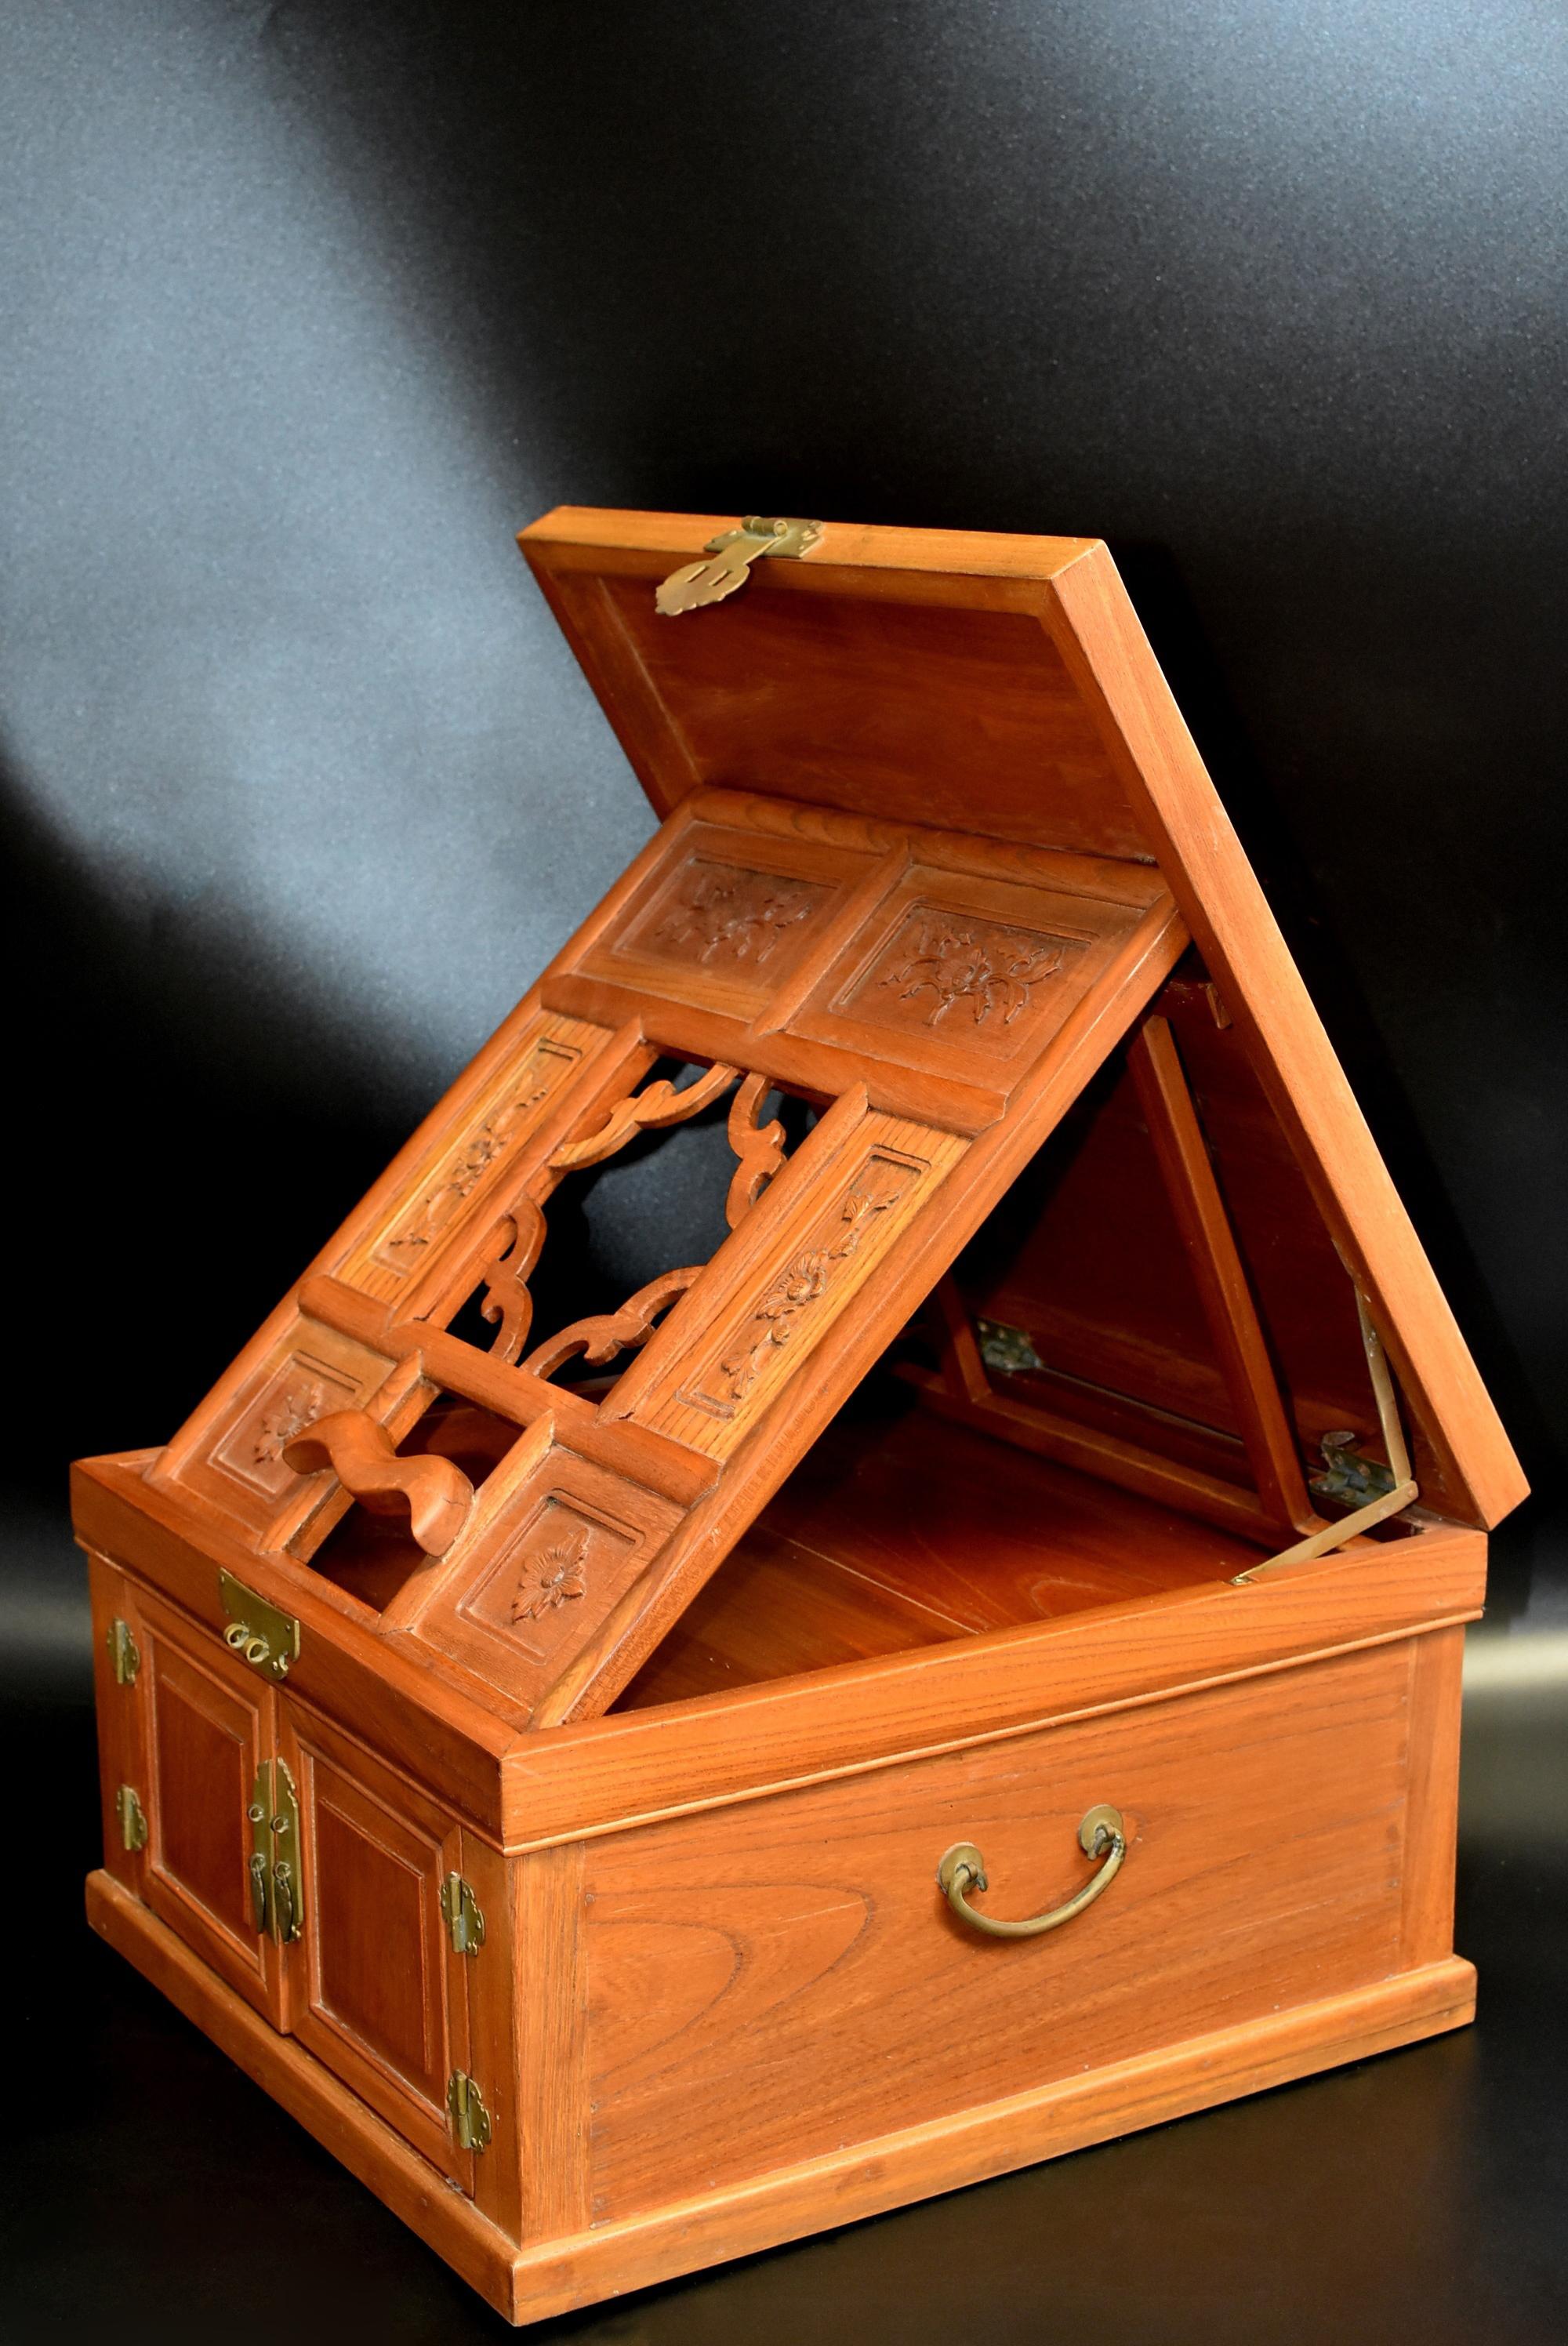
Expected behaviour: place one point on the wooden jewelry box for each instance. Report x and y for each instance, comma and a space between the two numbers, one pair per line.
531, 1751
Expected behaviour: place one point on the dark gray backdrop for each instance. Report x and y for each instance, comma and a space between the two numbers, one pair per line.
306, 307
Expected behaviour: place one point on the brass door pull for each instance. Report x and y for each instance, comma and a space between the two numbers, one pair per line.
963, 1868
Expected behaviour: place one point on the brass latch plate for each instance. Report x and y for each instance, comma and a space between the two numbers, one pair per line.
258, 1632
470, 2118
730, 555
277, 1902
462, 1914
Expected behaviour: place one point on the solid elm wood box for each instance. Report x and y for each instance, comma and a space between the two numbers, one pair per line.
530, 1753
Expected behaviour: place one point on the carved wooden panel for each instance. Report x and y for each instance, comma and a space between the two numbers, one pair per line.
962, 974
752, 1320
381, 1999
905, 981
236, 1461
561, 1541
726, 916
464, 1164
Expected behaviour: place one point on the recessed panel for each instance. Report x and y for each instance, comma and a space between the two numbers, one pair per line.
566, 1561
726, 915
961, 975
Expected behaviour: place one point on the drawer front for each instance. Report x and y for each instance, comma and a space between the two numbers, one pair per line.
776, 1979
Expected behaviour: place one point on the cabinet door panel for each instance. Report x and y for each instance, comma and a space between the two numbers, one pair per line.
209, 1723
381, 1999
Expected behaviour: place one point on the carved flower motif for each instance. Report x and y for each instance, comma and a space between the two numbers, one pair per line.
740, 915
558, 1573
438, 1205
296, 1408
990, 970
800, 1284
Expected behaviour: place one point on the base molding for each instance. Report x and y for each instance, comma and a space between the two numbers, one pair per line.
788, 2203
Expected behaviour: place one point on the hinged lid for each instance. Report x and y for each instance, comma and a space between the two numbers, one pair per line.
936, 836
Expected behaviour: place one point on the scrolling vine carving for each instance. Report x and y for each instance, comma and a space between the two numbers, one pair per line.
439, 1205
507, 1302
804, 1280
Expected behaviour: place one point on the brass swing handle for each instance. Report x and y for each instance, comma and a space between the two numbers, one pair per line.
963, 1868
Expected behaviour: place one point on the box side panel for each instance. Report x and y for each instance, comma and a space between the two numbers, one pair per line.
768, 1983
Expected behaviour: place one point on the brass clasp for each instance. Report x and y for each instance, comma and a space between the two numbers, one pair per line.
732, 554
258, 1632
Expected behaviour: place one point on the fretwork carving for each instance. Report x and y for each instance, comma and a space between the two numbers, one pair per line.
507, 1303
605, 1333
759, 1147
661, 1104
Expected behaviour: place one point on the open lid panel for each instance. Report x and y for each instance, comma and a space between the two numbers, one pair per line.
938, 996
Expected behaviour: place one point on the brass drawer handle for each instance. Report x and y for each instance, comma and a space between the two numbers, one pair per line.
963, 1868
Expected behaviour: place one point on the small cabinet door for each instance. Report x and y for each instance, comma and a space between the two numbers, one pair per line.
210, 1722
378, 1994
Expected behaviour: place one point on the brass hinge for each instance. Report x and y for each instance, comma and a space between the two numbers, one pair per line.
1349, 1479
470, 2118
464, 1917
277, 1902
132, 1817
262, 1636
733, 553
1373, 1492
1010, 1350
122, 1652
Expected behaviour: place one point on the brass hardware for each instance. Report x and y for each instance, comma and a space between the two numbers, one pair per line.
274, 1870
733, 551
464, 1917
124, 1652
1347, 1479
1009, 1350
470, 2118
132, 1817
963, 1868
265, 1638
1399, 1489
